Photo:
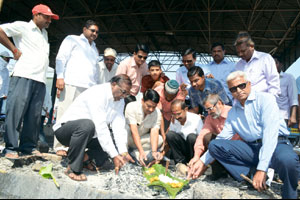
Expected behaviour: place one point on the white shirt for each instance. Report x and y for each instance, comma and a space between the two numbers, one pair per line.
134, 114
220, 72
262, 72
97, 104
33, 43
181, 76
288, 96
193, 124
4, 78
77, 62
104, 74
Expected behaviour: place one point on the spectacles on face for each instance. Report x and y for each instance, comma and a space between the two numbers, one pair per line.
124, 92
94, 31
210, 108
241, 86
187, 61
140, 57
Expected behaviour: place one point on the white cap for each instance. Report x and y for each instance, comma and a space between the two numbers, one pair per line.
5, 54
110, 52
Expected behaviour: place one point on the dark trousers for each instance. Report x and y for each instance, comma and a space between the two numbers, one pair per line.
182, 151
78, 135
239, 157
24, 104
42, 136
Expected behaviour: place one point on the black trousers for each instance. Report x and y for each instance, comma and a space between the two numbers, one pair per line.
24, 104
78, 135
182, 151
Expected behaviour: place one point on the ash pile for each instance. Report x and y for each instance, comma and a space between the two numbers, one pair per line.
131, 181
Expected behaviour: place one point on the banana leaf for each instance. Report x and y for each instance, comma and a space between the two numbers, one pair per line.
46, 172
150, 175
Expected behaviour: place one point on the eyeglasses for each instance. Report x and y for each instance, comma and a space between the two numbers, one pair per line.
124, 92
187, 61
241, 86
140, 57
93, 31
210, 108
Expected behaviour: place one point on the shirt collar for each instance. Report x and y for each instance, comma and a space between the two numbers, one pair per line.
254, 56
225, 111
223, 61
86, 40
251, 97
281, 74
34, 26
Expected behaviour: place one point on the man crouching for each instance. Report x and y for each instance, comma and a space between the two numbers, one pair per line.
255, 117
85, 125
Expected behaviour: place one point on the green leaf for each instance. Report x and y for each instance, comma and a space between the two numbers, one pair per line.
46, 172
159, 169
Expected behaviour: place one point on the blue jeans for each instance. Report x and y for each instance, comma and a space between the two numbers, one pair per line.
239, 157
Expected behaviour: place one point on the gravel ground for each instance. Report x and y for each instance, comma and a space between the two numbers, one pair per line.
131, 181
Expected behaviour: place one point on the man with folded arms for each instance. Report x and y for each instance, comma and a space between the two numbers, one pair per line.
27, 84
255, 117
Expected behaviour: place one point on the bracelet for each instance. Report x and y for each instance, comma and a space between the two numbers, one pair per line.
124, 154
15, 51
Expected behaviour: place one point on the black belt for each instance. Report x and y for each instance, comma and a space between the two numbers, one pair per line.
260, 140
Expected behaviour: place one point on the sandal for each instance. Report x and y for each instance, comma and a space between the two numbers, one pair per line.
12, 155
62, 153
76, 176
90, 165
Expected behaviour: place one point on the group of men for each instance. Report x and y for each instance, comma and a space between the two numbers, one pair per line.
99, 115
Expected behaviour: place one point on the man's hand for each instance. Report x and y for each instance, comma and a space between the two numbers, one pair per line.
142, 157
193, 161
292, 121
158, 156
196, 170
156, 84
209, 76
17, 54
259, 180
60, 84
58, 93
127, 158
118, 162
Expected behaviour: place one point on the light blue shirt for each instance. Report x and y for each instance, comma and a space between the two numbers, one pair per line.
220, 72
258, 119
298, 84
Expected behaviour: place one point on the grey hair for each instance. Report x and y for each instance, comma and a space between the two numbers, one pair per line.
212, 99
235, 74
244, 37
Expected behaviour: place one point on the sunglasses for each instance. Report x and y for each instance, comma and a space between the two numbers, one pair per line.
187, 61
93, 31
140, 57
210, 108
241, 86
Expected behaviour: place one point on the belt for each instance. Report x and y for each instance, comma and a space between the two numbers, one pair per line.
260, 140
